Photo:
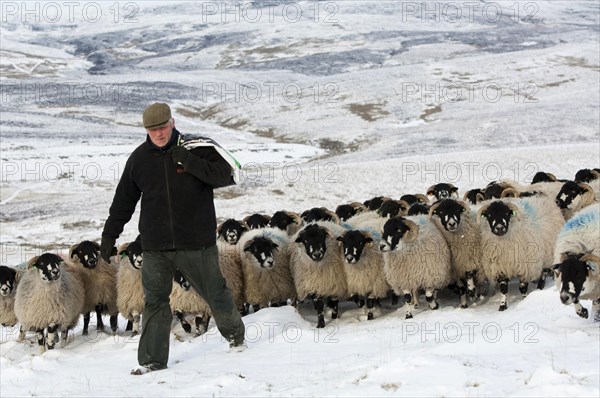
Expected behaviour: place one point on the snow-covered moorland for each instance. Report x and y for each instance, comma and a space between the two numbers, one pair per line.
323, 103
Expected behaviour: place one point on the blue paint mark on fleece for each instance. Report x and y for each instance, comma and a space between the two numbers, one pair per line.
581, 220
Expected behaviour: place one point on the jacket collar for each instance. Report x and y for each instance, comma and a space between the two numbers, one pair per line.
172, 142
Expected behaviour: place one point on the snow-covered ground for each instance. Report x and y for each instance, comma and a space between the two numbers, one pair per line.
323, 103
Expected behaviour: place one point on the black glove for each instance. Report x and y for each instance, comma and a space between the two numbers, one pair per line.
106, 248
179, 155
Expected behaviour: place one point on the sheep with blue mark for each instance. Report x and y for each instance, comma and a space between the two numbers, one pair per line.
49, 298
416, 256
517, 240
577, 258
266, 268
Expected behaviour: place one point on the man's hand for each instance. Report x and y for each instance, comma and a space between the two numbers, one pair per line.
106, 248
179, 155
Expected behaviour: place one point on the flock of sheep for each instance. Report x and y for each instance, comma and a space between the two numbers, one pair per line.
361, 252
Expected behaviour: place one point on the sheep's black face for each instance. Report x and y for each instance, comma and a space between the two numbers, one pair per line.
256, 221
390, 208
449, 213
7, 280
262, 249
231, 231
375, 203
542, 176
410, 199
48, 265
493, 190
316, 214
443, 191
567, 194
135, 254
473, 196
573, 275
586, 175
498, 215
88, 253
418, 208
353, 244
393, 231
344, 212
314, 238
281, 220
181, 281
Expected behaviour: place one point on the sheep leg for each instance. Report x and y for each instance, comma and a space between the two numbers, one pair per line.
202, 324
114, 323
395, 298
136, 324
274, 304
184, 324
408, 305
246, 309
462, 292
64, 335
471, 284
580, 309
415, 298
40, 338
523, 286
333, 304
99, 321
255, 308
86, 323
370, 305
21, 333
359, 303
503, 291
596, 309
319, 307
542, 281
430, 296
129, 326
52, 328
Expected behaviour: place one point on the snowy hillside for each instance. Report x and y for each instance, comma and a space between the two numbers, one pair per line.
323, 103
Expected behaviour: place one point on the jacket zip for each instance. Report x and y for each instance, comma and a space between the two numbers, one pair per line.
169, 200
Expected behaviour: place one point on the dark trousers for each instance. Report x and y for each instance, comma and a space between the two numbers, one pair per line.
201, 269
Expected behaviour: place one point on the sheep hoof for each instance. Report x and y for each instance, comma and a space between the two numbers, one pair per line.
463, 306
133, 334
187, 328
502, 307
84, 333
408, 316
370, 316
583, 313
321, 324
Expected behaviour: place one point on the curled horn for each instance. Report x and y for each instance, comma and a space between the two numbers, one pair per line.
432, 208
592, 259
72, 250
513, 207
404, 206
332, 214
32, 261
413, 231
588, 197
480, 213
464, 205
430, 191
297, 219
422, 198
359, 207
509, 192
121, 250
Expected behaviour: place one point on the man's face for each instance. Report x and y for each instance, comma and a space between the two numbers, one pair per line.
161, 136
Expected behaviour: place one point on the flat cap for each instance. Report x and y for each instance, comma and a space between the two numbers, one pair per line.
156, 115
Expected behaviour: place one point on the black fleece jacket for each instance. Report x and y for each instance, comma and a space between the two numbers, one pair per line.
177, 210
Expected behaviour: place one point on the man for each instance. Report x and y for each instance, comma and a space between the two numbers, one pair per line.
177, 229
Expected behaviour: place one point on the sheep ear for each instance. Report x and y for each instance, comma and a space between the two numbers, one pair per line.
96, 245
32, 261
433, 209
369, 241
431, 190
514, 209
592, 263
299, 239
247, 246
339, 238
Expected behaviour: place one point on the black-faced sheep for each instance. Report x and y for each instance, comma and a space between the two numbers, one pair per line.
474, 196
130, 292
229, 233
99, 282
50, 297
416, 256
459, 227
9, 280
392, 208
574, 196
266, 268
363, 263
418, 208
443, 190
345, 211
518, 240
375, 203
577, 263
184, 300
317, 268
287, 221
319, 214
256, 221
416, 198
